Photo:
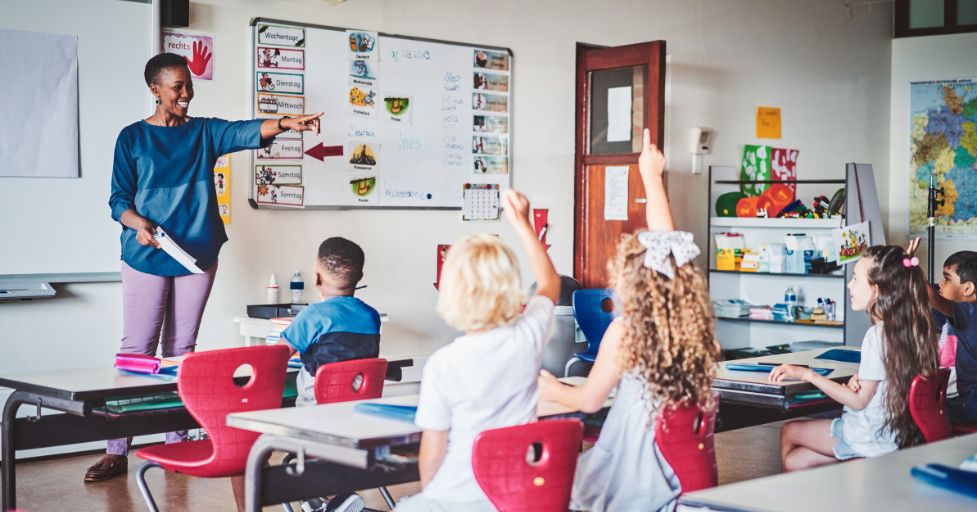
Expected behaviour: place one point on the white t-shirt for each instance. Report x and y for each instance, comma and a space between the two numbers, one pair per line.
480, 382
862, 428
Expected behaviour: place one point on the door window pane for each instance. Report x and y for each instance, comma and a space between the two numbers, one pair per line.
966, 12
616, 110
925, 13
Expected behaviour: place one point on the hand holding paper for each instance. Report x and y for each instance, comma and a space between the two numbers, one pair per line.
175, 251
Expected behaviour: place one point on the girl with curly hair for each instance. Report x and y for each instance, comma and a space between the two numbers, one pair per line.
659, 352
888, 284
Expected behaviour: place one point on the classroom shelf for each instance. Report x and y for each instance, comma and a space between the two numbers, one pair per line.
776, 223
789, 274
840, 325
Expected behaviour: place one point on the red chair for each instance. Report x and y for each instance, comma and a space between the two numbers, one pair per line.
927, 405
336, 382
511, 482
684, 435
206, 385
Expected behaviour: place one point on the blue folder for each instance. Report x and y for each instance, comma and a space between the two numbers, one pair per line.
845, 356
747, 367
390, 411
946, 477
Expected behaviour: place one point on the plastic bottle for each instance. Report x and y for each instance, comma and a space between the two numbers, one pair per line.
790, 298
297, 286
272, 290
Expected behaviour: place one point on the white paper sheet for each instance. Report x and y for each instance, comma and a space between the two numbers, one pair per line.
39, 124
616, 193
618, 114
175, 251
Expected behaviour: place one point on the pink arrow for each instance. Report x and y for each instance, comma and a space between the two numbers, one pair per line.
319, 151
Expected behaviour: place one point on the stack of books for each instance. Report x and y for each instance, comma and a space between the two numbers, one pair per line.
731, 308
277, 326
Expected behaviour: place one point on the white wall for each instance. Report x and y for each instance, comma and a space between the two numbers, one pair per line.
917, 59
829, 73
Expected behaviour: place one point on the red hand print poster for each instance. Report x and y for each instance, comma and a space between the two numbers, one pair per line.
198, 49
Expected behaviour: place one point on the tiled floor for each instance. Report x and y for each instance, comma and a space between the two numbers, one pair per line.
57, 484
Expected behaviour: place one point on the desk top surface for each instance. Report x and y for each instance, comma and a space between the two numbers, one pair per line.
340, 425
880, 483
92, 383
757, 381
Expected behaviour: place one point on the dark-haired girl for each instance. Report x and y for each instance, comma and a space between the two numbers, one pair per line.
888, 284
163, 176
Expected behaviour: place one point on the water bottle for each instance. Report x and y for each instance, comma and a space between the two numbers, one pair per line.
790, 298
297, 286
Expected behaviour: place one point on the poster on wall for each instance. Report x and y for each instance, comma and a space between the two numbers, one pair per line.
222, 185
943, 149
198, 49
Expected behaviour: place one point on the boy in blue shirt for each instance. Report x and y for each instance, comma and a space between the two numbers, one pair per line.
338, 328
957, 301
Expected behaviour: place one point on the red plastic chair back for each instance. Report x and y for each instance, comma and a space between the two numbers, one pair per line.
206, 385
336, 382
500, 460
684, 436
927, 404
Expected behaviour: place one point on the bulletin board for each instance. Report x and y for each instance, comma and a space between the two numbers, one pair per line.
408, 122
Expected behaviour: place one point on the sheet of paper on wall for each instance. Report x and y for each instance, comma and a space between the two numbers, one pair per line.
851, 241
168, 245
616, 193
43, 70
768, 122
619, 114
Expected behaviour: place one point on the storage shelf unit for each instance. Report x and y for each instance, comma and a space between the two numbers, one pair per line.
766, 288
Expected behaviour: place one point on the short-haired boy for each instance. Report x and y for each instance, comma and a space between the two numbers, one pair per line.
338, 328
957, 301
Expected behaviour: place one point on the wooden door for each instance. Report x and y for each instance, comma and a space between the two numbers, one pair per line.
620, 91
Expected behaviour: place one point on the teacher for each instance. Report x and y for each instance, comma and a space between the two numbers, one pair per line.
163, 176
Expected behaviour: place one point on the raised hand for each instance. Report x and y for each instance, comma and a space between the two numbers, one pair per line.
201, 57
516, 207
651, 163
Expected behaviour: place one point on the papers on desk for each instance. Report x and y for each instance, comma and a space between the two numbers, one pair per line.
390, 411
746, 367
175, 251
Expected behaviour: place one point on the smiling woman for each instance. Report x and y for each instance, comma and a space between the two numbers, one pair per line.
163, 177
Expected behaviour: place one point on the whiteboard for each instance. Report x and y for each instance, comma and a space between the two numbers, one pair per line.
61, 228
408, 122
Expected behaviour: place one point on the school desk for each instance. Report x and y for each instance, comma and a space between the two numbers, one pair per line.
80, 394
751, 388
879, 483
350, 449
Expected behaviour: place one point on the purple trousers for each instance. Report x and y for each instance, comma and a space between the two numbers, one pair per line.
161, 310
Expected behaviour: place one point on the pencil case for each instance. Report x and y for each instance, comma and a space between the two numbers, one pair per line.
953, 479
137, 363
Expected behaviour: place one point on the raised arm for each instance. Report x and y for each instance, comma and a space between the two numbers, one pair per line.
516, 208
651, 166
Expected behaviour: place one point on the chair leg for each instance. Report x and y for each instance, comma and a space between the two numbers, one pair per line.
387, 497
143, 488
287, 507
566, 371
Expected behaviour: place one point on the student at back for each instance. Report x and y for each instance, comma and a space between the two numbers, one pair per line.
486, 378
957, 301
338, 328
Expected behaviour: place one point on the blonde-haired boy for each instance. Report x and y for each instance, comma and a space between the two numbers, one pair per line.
486, 378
